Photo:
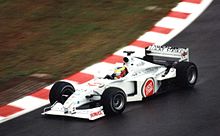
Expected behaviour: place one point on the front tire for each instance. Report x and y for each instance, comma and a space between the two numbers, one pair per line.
113, 101
186, 74
60, 92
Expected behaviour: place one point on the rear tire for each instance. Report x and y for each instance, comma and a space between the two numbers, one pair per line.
113, 101
186, 74
60, 92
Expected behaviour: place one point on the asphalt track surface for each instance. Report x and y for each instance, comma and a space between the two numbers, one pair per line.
175, 113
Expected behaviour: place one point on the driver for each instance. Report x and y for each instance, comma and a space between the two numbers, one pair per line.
119, 72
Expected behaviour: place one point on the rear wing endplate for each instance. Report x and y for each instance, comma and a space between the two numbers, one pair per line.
182, 54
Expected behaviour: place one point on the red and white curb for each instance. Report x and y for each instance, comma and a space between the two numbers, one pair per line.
164, 30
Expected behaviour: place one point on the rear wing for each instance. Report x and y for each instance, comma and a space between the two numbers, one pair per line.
182, 54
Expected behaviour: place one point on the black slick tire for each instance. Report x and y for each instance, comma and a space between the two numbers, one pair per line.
60, 92
186, 74
113, 101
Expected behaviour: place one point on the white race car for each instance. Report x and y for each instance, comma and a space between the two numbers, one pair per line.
135, 79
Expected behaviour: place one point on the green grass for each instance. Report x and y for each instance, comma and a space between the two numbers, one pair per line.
64, 36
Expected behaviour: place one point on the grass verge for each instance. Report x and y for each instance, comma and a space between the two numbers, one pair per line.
61, 37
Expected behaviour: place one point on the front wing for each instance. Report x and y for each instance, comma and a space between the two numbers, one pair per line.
91, 114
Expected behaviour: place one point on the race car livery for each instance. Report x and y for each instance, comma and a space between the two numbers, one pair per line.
134, 79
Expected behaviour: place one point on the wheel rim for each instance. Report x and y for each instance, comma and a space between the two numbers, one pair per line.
192, 75
66, 93
118, 102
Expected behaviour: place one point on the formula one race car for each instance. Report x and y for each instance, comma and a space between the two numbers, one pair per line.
135, 79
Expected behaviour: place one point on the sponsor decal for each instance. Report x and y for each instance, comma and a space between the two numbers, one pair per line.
96, 84
95, 114
148, 88
168, 49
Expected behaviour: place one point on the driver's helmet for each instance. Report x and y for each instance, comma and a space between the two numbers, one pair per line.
120, 72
